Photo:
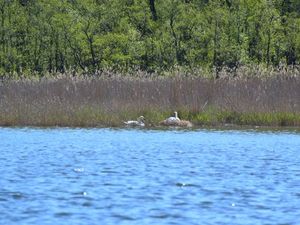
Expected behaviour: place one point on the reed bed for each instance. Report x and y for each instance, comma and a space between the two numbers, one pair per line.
88, 101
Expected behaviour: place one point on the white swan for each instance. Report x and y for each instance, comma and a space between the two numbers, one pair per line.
173, 119
138, 122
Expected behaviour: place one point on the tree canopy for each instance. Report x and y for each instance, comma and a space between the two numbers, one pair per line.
151, 35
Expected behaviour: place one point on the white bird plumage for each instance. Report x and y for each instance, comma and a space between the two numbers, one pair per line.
173, 119
138, 122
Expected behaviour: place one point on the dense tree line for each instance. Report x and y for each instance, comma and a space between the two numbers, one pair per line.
152, 35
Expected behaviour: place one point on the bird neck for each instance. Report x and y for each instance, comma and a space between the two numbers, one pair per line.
176, 115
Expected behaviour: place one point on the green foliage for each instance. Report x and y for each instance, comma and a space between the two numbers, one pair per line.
54, 35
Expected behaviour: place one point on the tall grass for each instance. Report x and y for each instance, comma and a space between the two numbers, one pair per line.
67, 100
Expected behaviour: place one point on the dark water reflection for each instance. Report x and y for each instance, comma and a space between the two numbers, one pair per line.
105, 176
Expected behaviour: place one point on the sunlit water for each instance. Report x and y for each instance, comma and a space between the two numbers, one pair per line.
106, 176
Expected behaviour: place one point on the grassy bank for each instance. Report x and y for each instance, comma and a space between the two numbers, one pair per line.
107, 101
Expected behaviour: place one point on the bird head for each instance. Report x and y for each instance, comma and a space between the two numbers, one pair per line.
141, 118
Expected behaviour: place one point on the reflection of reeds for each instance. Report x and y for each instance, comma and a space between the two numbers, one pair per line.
82, 101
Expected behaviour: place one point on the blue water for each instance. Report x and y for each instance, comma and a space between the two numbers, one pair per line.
106, 176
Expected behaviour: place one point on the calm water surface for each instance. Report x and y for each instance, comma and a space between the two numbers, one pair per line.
106, 176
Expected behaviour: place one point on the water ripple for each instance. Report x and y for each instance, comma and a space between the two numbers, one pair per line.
115, 176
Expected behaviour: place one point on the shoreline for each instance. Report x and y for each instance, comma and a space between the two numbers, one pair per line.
226, 127
93, 117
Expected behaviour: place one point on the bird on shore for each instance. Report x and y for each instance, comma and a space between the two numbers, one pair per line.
138, 122
175, 121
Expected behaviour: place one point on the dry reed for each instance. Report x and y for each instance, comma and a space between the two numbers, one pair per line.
67, 100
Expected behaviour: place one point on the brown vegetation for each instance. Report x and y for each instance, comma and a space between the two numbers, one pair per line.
109, 100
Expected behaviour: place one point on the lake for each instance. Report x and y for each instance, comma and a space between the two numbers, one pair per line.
133, 176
